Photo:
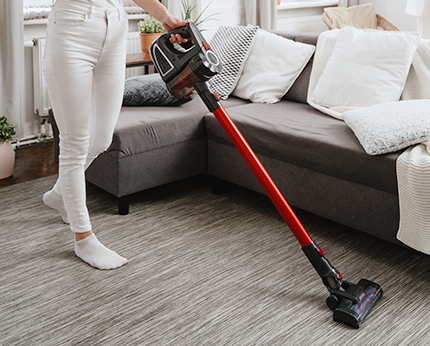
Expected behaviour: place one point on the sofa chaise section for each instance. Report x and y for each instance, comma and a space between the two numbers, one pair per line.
316, 162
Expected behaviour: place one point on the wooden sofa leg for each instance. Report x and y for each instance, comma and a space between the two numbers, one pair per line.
123, 205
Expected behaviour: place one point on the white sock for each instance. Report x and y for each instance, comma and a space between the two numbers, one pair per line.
55, 201
93, 252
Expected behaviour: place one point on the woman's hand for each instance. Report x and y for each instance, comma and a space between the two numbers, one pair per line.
171, 23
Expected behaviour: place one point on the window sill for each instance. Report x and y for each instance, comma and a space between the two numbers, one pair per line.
306, 4
36, 21
44, 21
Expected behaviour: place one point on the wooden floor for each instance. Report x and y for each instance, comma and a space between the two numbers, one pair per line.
32, 162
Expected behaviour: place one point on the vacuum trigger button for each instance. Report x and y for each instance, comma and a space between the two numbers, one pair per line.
320, 251
217, 96
205, 45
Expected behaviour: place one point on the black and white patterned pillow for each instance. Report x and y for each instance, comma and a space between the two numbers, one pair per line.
149, 90
233, 45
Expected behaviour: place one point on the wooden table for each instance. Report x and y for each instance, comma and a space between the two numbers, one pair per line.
138, 59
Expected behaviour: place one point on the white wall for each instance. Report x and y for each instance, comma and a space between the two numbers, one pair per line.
227, 12
37, 2
394, 12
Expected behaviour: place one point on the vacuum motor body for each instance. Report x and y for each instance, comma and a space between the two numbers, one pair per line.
183, 65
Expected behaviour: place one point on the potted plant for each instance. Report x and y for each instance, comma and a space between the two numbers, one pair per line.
7, 153
149, 28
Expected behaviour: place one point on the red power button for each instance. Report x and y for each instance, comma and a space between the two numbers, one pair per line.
206, 45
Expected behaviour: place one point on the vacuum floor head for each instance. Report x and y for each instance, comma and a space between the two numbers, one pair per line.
356, 303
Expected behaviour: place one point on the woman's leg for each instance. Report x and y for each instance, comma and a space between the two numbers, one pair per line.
69, 76
107, 95
75, 46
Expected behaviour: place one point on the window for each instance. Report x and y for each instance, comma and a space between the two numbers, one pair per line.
291, 4
306, 3
28, 3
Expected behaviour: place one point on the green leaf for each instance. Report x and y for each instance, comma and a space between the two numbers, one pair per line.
188, 9
7, 131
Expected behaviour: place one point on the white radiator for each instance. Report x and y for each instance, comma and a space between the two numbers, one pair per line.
302, 24
133, 46
41, 99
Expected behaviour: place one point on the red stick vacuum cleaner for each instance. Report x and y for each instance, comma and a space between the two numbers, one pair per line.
186, 70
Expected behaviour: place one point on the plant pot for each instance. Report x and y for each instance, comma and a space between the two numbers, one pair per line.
145, 42
7, 160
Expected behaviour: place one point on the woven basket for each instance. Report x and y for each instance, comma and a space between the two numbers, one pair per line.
381, 23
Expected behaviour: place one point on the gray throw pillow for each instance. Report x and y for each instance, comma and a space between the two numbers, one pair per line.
149, 90
388, 127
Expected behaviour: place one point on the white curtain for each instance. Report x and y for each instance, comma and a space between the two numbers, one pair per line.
12, 61
262, 13
421, 10
348, 3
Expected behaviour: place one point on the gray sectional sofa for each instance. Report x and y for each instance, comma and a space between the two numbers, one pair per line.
315, 160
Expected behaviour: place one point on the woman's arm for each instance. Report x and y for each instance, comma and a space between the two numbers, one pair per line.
156, 9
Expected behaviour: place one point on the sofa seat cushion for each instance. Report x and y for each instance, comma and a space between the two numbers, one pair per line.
300, 135
141, 129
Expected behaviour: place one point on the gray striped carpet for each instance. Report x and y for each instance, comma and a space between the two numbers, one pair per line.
203, 269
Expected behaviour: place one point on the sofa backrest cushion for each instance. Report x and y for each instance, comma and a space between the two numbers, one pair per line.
299, 90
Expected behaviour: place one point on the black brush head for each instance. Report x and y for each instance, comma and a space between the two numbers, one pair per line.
354, 312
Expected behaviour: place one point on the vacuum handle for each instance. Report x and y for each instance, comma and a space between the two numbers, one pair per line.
189, 49
191, 32
170, 61
196, 42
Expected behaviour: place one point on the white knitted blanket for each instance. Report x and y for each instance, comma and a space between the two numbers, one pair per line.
413, 166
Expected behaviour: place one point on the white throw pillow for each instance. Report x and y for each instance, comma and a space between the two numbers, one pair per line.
389, 127
366, 67
272, 67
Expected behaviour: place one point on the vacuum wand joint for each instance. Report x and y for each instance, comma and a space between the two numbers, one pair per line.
210, 99
331, 278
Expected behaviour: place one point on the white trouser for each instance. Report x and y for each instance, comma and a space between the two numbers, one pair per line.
84, 72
